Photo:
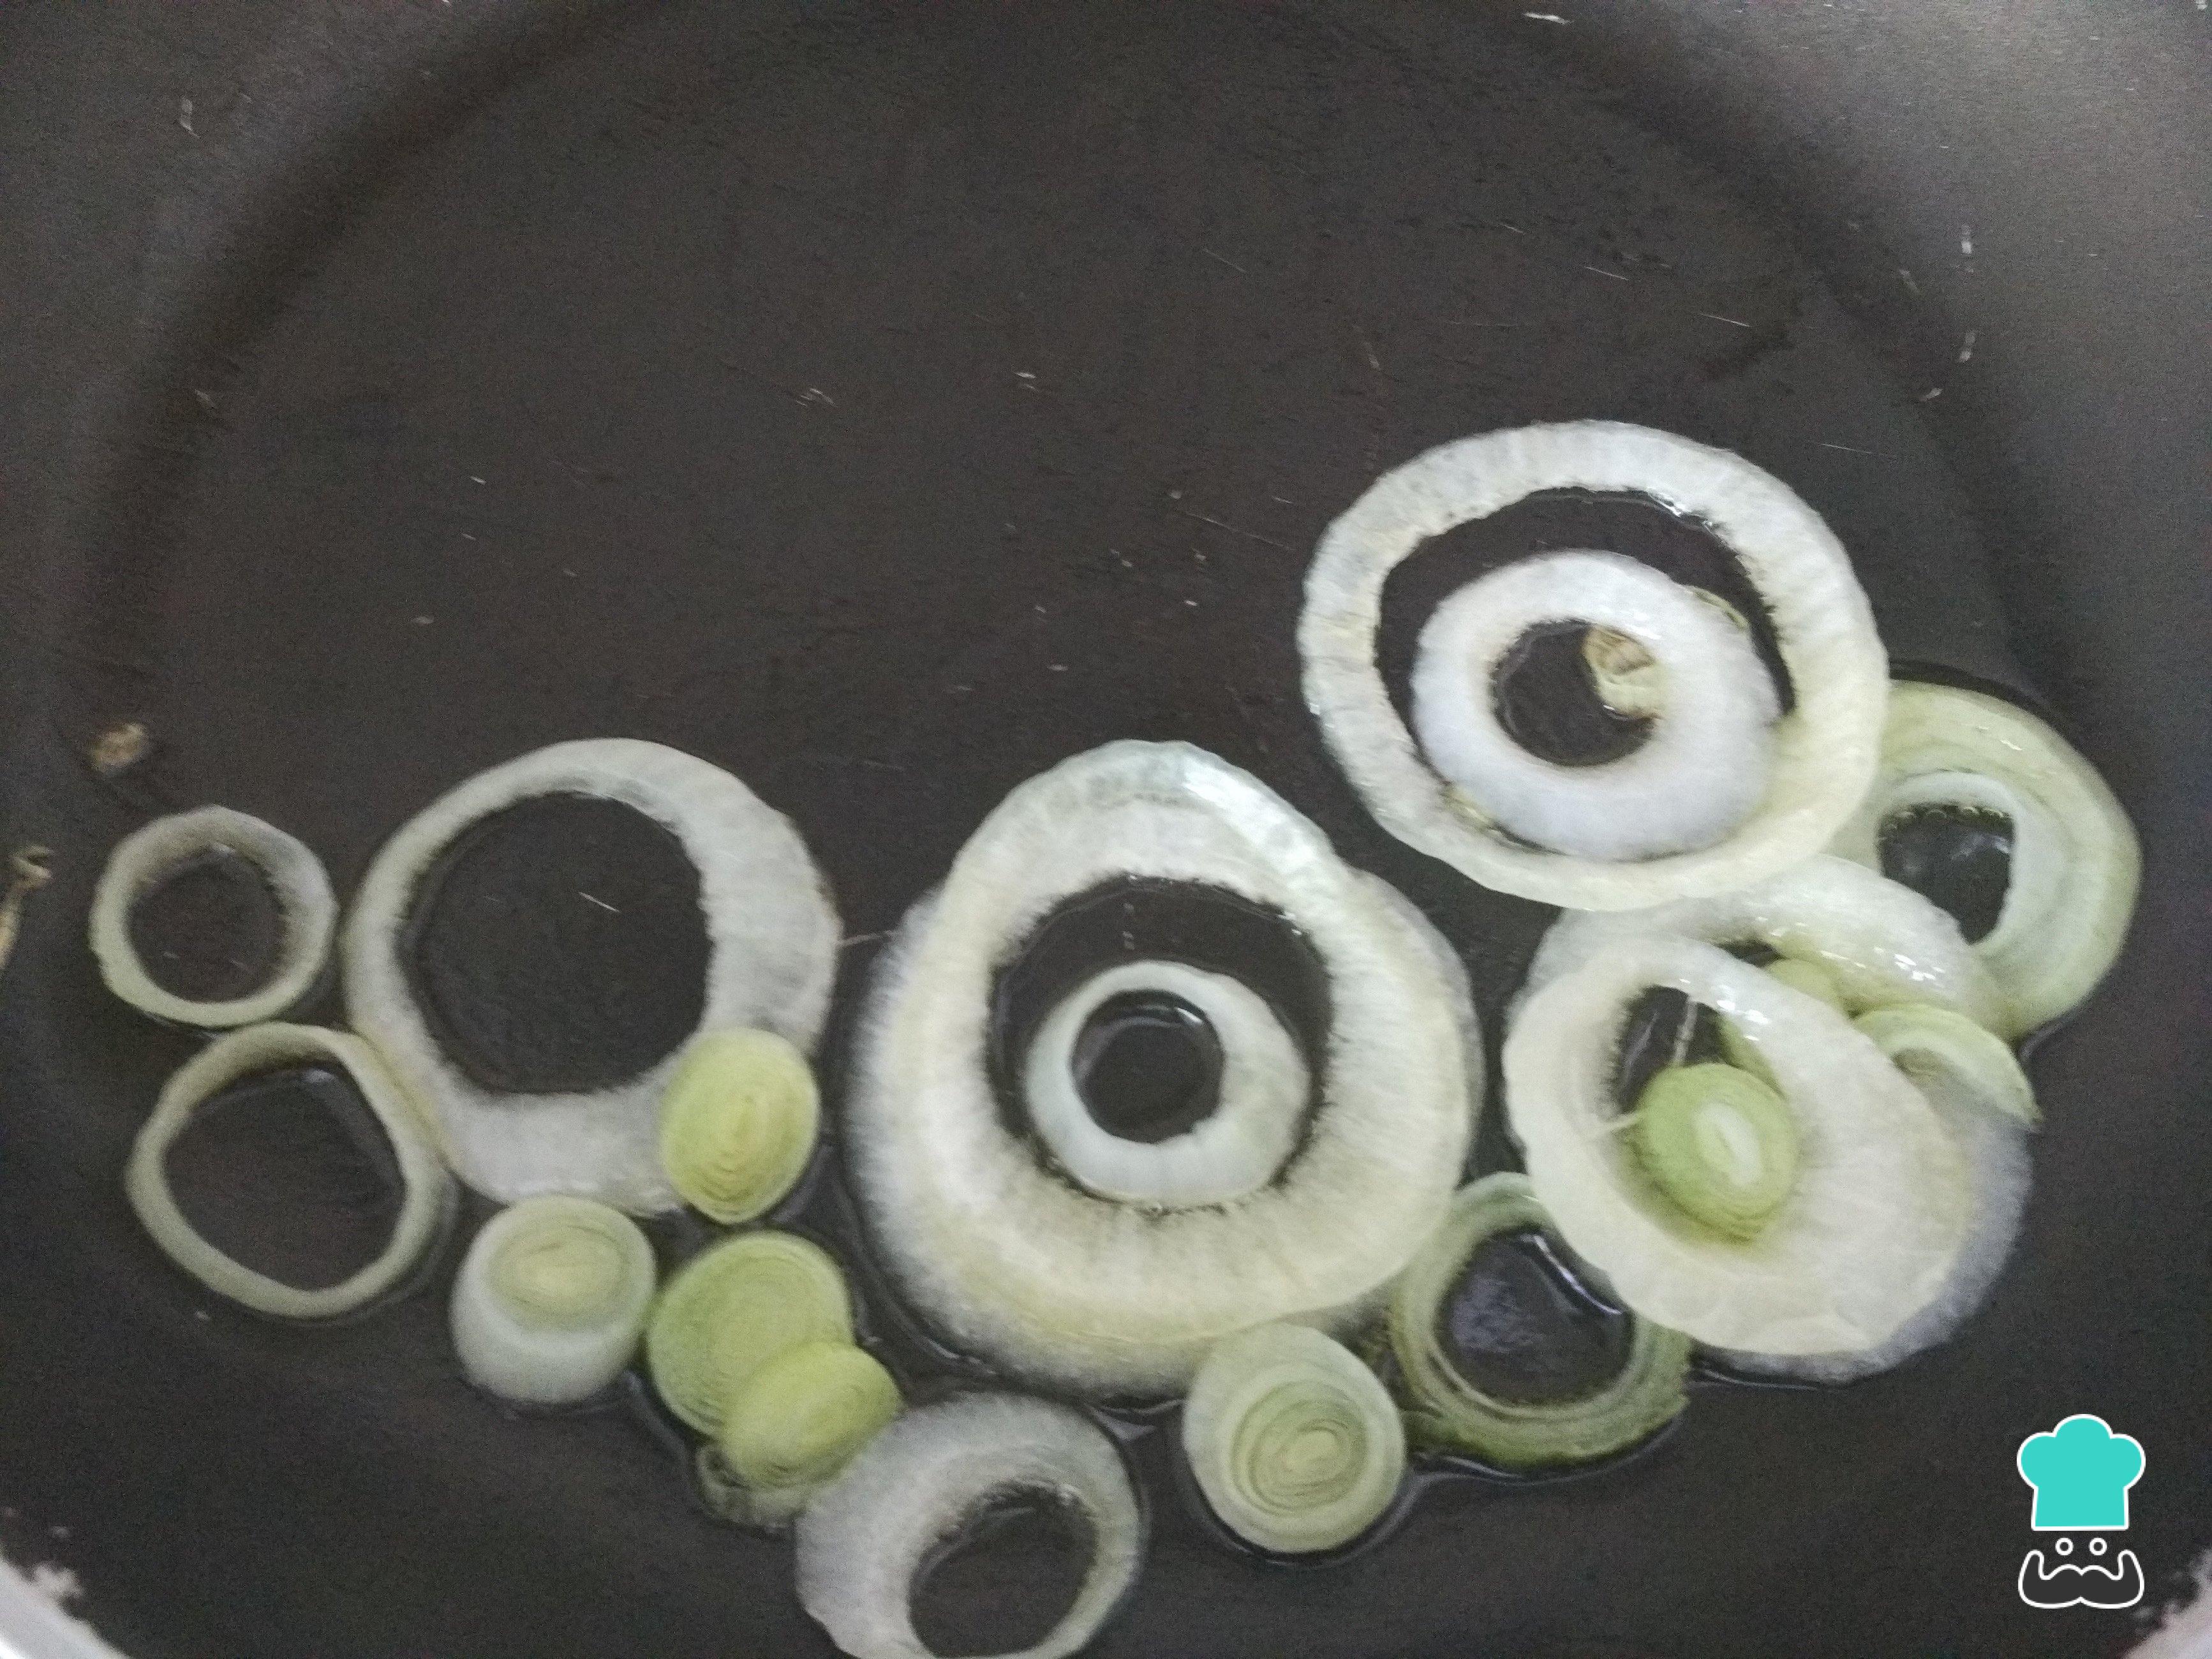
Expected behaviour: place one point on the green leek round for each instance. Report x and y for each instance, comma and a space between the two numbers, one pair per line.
798, 1420
1720, 1144
1448, 1411
733, 1307
1296, 1444
738, 1124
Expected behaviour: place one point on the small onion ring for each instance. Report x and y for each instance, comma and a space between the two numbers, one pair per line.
1241, 1143
142, 858
862, 1541
2075, 863
1697, 775
426, 1191
1825, 749
771, 930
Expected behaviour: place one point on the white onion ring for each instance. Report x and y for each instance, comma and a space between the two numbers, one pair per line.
142, 858
1824, 750
862, 1541
1237, 1150
2075, 865
1109, 1298
1870, 1230
1698, 773
426, 1192
1881, 942
772, 936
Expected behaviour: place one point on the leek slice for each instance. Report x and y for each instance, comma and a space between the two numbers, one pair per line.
738, 1123
550, 1300
798, 1420
733, 1307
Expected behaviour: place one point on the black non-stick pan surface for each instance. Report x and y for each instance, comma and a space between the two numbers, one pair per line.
885, 401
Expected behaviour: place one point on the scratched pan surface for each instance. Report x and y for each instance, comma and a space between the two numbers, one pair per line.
886, 402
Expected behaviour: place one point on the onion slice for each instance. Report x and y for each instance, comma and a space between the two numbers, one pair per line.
1824, 750
142, 858
426, 1192
733, 1307
1103, 1297
550, 1300
2075, 864
1868, 1233
1450, 1412
1878, 942
863, 1542
773, 943
1296, 1445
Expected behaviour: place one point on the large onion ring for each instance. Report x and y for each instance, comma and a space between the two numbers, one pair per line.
1696, 776
1866, 1237
148, 854
863, 1540
426, 1192
1825, 749
1109, 1298
771, 931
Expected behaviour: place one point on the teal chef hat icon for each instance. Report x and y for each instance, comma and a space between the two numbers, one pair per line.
2080, 1472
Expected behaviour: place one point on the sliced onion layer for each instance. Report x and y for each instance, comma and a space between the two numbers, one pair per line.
1986, 1104
1698, 774
1239, 1146
2075, 865
550, 1300
151, 854
731, 1308
426, 1192
773, 943
1448, 1412
1824, 750
738, 1123
1295, 1442
1108, 1297
1871, 1227
1880, 943
864, 1541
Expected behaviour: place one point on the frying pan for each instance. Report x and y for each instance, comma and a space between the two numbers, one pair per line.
885, 402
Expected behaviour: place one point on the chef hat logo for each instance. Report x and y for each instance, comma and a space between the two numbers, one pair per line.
2080, 1472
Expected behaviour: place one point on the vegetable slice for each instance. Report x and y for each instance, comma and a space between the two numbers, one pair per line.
773, 941
1697, 775
2075, 864
798, 1420
142, 858
1872, 1224
1824, 750
863, 1542
1450, 1412
426, 1192
550, 1300
1296, 1444
1720, 1144
738, 1123
1878, 942
733, 1307
1100, 1297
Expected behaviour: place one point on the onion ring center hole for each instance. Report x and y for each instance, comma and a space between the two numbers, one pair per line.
1521, 1326
559, 944
1148, 1065
288, 1172
1145, 1080
1004, 1577
1556, 715
1663, 1028
1957, 858
210, 929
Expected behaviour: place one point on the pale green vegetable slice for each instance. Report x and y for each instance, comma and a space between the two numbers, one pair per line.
1873, 1222
425, 1193
551, 1298
799, 1419
1450, 1411
867, 1537
2075, 863
1720, 1144
738, 1123
1296, 1444
733, 1307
